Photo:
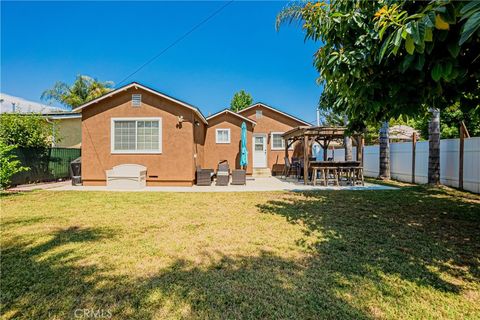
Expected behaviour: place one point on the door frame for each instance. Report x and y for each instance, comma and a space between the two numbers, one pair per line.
265, 144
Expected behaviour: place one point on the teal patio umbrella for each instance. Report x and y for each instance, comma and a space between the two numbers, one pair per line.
243, 147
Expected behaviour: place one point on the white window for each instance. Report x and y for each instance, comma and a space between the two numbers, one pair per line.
258, 114
277, 141
222, 136
136, 135
136, 100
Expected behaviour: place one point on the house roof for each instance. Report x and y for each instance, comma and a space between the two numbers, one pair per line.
10, 104
275, 110
153, 91
402, 132
232, 113
59, 116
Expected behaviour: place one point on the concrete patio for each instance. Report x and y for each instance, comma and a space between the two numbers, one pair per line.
253, 185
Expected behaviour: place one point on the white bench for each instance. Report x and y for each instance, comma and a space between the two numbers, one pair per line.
127, 176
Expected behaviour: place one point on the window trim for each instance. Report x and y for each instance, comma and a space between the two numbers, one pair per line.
271, 142
216, 136
112, 135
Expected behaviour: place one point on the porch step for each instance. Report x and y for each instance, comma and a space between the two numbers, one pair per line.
261, 172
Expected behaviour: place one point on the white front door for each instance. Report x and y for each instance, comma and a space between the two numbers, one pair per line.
259, 150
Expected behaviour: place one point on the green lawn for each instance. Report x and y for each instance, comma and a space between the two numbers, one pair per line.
409, 253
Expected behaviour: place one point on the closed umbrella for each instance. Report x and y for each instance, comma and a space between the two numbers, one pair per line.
243, 147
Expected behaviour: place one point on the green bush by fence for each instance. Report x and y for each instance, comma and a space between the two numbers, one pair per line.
45, 164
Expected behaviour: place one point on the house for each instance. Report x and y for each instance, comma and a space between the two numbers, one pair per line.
68, 125
135, 124
69, 129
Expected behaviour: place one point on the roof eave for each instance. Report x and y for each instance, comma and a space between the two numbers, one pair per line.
276, 110
137, 85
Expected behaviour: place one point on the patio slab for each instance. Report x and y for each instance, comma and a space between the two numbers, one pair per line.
253, 185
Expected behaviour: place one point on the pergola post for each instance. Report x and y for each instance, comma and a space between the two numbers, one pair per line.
286, 148
305, 159
325, 149
360, 149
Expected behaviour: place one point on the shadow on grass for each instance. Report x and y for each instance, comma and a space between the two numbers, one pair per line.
362, 235
262, 286
369, 233
29, 279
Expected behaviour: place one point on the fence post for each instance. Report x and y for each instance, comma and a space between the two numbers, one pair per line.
414, 149
460, 159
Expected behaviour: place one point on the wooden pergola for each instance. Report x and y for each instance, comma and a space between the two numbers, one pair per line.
322, 135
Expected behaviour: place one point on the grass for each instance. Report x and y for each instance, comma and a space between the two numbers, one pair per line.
399, 254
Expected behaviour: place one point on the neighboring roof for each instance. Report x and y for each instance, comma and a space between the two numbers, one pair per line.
59, 116
402, 132
153, 91
276, 110
232, 113
10, 104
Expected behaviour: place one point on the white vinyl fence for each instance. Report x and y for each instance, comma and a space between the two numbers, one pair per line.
401, 162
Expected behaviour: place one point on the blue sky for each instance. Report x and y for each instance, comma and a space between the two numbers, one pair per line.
45, 42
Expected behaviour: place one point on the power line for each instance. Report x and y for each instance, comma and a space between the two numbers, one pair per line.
186, 34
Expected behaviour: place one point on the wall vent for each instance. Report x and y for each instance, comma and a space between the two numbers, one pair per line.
136, 100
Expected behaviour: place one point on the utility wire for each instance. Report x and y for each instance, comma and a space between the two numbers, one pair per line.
186, 34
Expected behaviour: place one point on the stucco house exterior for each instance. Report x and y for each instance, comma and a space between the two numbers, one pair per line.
135, 124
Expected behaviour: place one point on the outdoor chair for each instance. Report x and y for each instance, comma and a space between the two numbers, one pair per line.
288, 168
239, 177
297, 167
223, 173
204, 176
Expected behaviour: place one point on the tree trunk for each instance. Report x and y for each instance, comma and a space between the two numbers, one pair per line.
347, 142
384, 171
434, 148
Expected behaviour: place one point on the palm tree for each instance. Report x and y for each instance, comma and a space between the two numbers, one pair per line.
81, 91
384, 171
434, 147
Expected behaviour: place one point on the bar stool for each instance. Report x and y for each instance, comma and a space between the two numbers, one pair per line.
331, 171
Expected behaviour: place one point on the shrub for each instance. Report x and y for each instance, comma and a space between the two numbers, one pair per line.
9, 164
26, 131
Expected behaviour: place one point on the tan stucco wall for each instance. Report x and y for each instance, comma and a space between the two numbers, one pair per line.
215, 152
271, 121
174, 166
69, 133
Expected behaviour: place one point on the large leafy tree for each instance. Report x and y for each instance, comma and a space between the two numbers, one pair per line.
366, 60
354, 83
83, 89
438, 39
240, 100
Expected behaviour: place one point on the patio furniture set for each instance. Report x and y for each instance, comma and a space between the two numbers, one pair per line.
205, 177
326, 172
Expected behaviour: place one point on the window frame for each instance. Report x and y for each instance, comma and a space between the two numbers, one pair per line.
136, 119
216, 135
276, 148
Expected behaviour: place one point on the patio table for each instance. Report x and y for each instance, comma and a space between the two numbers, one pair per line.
351, 170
